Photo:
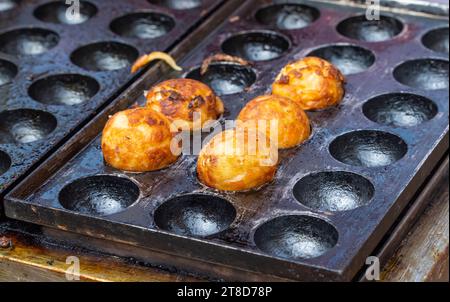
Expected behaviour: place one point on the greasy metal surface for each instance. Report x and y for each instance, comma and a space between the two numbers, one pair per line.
395, 160
50, 82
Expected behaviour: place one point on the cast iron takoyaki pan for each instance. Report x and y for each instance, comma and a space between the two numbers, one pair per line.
334, 197
56, 70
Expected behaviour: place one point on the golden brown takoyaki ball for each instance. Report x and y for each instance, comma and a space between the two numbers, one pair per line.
138, 140
293, 123
311, 82
237, 160
179, 99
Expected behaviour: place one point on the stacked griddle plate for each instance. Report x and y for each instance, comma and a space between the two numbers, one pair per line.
57, 71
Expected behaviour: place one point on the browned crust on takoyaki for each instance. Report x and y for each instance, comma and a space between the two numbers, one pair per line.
227, 163
311, 82
138, 140
180, 99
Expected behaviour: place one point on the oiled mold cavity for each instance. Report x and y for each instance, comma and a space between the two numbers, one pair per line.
400, 109
62, 13
368, 148
7, 72
99, 195
178, 4
195, 215
5, 162
104, 56
6, 5
256, 46
225, 78
143, 25
334, 191
360, 28
296, 237
437, 40
64, 89
349, 59
28, 41
426, 74
25, 125
287, 16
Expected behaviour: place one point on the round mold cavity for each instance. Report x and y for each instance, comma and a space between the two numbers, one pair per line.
349, 59
257, 45
104, 56
296, 237
287, 16
368, 148
400, 109
437, 40
225, 78
7, 72
64, 89
148, 25
334, 191
25, 126
360, 28
425, 74
178, 4
28, 41
60, 13
99, 195
195, 215
6, 5
5, 162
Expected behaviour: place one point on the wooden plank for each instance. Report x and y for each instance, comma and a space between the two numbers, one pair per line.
33, 260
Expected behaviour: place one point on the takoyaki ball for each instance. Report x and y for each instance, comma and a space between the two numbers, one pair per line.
293, 123
311, 82
138, 140
179, 99
237, 160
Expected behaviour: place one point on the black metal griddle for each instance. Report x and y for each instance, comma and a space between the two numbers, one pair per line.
56, 72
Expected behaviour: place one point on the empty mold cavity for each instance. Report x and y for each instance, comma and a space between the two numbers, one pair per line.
195, 215
6, 5
257, 46
360, 28
426, 74
178, 4
5, 162
296, 237
437, 40
349, 59
104, 56
287, 16
25, 125
225, 78
64, 89
143, 25
99, 195
7, 72
28, 41
62, 13
334, 191
368, 148
400, 109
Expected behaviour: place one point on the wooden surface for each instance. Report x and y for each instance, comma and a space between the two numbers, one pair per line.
29, 260
422, 256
